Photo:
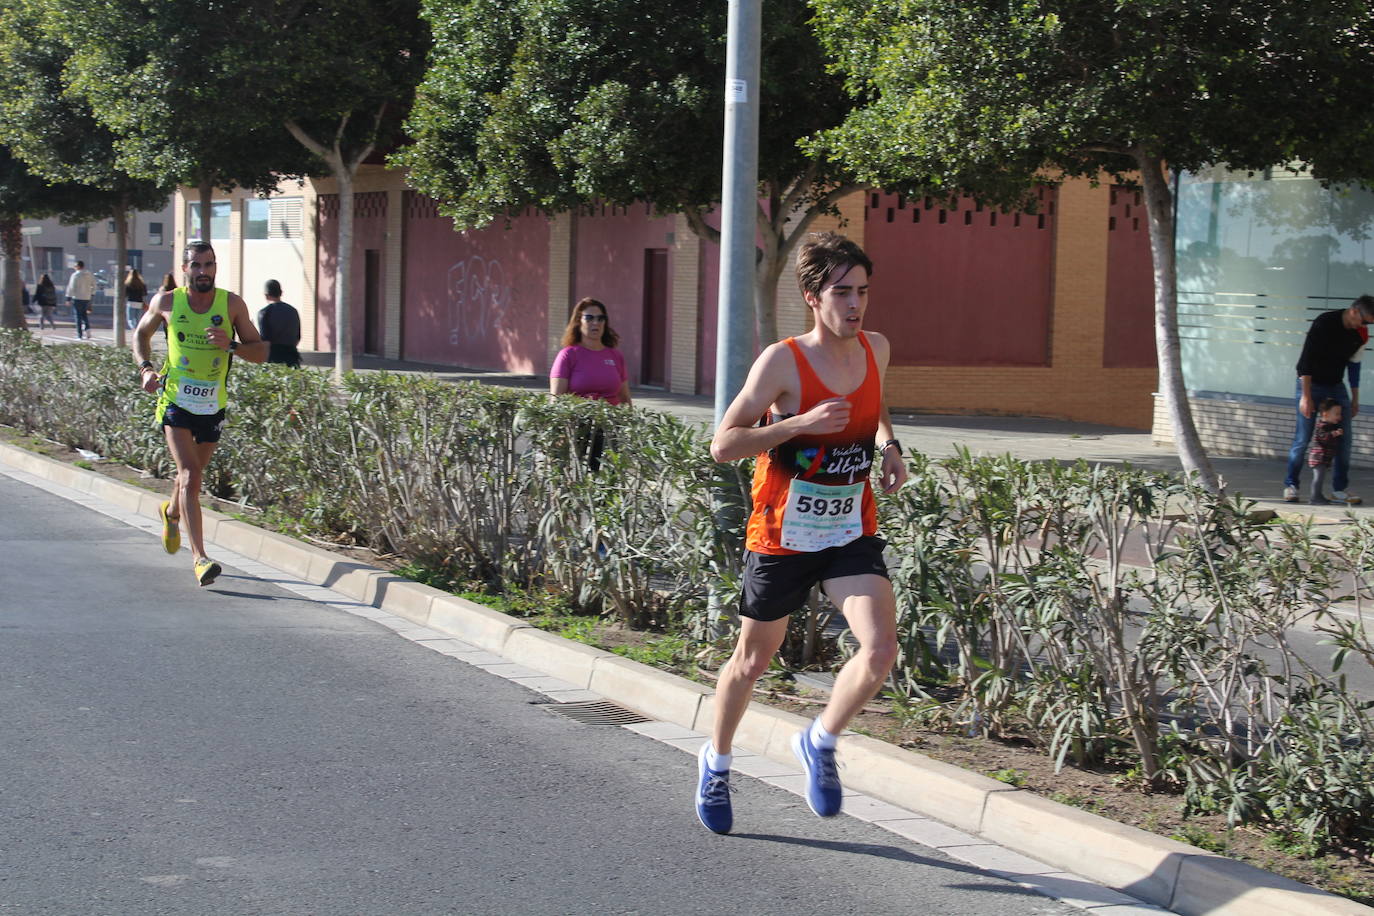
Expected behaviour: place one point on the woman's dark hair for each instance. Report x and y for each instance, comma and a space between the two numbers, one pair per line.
45, 280
572, 334
1326, 404
169, 283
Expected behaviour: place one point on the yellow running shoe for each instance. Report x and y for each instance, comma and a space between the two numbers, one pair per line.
207, 570
171, 533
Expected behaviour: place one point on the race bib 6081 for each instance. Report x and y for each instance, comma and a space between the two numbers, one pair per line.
195, 396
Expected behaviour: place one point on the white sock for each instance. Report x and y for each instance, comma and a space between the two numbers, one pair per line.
822, 738
718, 763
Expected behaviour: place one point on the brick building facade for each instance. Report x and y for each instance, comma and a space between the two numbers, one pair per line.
1046, 313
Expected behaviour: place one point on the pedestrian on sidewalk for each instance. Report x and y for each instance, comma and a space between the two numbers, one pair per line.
46, 296
1333, 347
590, 366
80, 290
202, 322
135, 296
1326, 441
814, 518
280, 325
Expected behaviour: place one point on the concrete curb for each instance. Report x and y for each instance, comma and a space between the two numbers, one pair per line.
1181, 878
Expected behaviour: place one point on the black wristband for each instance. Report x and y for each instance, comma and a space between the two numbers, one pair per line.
883, 447
233, 345
146, 364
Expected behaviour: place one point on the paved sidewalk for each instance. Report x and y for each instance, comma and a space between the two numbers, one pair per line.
1036, 438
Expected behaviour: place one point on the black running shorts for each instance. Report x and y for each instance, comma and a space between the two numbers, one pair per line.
775, 586
203, 427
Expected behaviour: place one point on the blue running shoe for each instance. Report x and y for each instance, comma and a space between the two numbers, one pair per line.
822, 776
713, 796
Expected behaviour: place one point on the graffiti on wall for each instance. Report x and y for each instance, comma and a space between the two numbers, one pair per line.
479, 298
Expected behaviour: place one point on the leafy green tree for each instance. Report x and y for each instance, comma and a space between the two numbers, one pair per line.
556, 103
247, 93
25, 194
163, 84
990, 96
59, 139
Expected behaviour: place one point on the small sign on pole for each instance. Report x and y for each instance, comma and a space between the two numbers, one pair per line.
31, 230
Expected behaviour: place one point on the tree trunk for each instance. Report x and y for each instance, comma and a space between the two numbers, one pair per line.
207, 192
767, 270
1159, 208
343, 313
121, 221
12, 303
343, 168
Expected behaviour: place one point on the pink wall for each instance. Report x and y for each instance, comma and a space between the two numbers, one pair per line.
1129, 331
609, 266
960, 287
369, 231
476, 299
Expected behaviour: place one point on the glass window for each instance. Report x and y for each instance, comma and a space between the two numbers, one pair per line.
155, 233
219, 221
83, 235
1258, 258
257, 215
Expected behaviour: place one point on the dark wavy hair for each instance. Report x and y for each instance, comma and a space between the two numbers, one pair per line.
823, 252
572, 334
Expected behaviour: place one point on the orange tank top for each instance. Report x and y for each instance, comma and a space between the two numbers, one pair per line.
813, 491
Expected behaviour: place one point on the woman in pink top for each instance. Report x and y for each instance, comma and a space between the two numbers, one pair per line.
589, 365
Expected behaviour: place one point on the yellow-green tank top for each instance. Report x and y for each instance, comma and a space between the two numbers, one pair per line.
196, 370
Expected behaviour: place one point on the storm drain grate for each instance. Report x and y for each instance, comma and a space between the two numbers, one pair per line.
596, 712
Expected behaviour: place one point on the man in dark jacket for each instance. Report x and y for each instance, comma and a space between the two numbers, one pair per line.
1334, 344
280, 325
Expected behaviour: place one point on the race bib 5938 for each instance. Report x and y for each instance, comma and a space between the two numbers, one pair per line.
818, 516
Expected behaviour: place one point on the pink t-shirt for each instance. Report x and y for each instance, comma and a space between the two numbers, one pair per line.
596, 374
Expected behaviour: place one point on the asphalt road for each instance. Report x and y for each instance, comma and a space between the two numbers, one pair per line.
239, 749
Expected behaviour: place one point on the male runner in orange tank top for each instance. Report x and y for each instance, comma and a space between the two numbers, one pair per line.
813, 518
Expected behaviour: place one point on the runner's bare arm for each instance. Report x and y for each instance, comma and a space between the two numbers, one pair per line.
893, 465
143, 340
251, 345
147, 326
769, 379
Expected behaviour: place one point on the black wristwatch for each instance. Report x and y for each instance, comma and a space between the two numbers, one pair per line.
882, 448
233, 345
146, 364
